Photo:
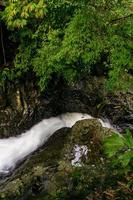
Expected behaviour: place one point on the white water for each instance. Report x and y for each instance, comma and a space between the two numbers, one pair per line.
15, 149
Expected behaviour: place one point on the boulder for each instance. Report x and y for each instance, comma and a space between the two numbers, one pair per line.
51, 165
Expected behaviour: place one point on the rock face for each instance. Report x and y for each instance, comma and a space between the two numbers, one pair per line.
119, 108
22, 105
67, 150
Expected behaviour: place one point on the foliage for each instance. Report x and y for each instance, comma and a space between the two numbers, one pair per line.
120, 149
18, 13
69, 38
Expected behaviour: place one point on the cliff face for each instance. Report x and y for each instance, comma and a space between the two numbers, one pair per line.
22, 105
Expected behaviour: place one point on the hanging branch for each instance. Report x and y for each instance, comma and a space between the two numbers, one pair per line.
2, 44
122, 18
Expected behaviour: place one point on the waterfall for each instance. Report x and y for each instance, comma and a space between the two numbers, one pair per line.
15, 149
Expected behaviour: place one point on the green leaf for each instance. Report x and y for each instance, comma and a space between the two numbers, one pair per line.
112, 144
125, 158
128, 139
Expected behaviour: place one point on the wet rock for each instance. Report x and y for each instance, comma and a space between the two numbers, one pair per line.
40, 171
119, 108
27, 105
23, 105
23, 108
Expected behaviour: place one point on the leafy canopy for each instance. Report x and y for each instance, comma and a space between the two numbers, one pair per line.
69, 38
17, 13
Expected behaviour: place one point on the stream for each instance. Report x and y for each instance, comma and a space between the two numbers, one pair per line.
15, 149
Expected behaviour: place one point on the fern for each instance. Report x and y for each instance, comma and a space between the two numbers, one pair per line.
120, 149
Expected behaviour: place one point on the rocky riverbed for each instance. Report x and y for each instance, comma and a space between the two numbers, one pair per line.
57, 164
65, 150
22, 105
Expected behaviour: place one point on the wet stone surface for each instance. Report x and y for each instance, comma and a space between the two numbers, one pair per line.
38, 173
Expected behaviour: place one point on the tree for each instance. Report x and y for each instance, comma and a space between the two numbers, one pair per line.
68, 38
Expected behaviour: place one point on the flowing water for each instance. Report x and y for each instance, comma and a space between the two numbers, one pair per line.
15, 149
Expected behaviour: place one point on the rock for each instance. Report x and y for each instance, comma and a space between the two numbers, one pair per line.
119, 108
27, 105
23, 108
53, 163
23, 105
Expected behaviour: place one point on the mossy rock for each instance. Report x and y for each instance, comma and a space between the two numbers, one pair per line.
86, 137
36, 170
46, 168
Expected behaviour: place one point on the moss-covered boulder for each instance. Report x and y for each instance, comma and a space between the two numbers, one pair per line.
66, 150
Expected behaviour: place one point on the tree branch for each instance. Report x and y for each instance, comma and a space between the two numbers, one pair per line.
2, 44
122, 18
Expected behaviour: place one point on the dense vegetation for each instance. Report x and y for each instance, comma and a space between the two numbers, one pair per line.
70, 39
